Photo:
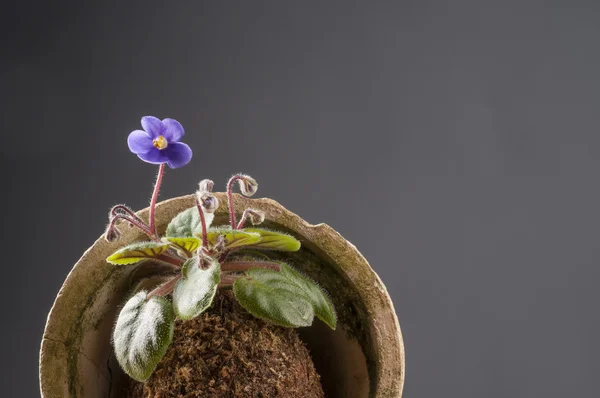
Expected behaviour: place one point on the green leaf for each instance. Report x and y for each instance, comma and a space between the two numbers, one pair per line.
137, 252
322, 305
281, 297
274, 240
187, 223
194, 292
270, 295
188, 245
233, 238
142, 334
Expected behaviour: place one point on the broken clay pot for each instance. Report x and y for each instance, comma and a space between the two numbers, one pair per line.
363, 357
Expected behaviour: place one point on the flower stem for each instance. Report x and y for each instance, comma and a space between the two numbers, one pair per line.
246, 265
232, 180
203, 222
135, 222
122, 209
242, 220
161, 172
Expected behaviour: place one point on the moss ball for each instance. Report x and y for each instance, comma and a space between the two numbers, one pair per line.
226, 352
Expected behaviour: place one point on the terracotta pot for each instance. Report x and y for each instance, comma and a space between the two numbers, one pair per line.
364, 357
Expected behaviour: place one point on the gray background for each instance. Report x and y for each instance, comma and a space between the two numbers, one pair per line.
455, 143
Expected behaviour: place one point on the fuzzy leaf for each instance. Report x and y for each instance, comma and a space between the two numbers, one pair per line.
274, 240
137, 252
270, 295
187, 223
142, 334
195, 291
188, 245
233, 238
323, 307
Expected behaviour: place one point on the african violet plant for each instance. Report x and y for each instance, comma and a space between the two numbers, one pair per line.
200, 259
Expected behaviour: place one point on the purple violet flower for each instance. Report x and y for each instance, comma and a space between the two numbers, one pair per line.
159, 142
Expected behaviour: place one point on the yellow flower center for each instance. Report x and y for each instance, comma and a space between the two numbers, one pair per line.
160, 142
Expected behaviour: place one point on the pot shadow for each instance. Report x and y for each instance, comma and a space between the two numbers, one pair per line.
339, 360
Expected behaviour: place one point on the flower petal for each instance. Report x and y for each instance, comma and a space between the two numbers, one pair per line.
139, 142
173, 130
155, 156
178, 154
153, 126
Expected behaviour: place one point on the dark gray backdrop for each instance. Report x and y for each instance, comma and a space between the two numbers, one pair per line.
455, 143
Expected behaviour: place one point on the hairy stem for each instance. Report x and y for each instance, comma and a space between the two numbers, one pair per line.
232, 180
246, 265
136, 223
164, 289
242, 220
203, 222
161, 172
115, 212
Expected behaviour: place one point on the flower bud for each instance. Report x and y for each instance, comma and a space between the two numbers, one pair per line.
206, 185
256, 216
248, 185
208, 201
112, 234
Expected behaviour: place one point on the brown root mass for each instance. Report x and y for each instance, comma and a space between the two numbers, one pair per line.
226, 352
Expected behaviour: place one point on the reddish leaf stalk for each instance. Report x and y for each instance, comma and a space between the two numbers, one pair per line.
227, 280
164, 289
